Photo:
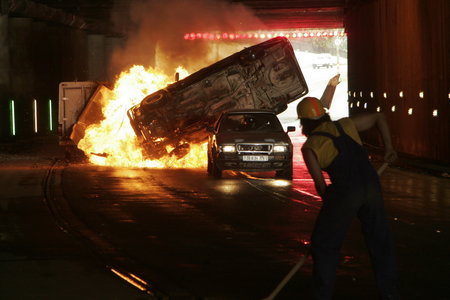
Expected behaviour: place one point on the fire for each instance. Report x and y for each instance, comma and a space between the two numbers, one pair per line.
113, 142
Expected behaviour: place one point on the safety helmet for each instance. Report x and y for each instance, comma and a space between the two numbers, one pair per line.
310, 108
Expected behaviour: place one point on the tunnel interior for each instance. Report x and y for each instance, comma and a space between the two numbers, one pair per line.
396, 54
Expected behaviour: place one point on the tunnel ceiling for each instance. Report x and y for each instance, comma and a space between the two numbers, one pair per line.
298, 13
277, 14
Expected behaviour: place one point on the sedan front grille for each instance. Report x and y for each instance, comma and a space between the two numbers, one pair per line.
265, 148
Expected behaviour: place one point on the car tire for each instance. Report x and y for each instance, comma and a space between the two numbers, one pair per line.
156, 99
212, 168
215, 171
156, 150
209, 168
286, 173
280, 108
181, 150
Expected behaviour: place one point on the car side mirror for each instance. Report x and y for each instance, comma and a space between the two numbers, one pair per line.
290, 128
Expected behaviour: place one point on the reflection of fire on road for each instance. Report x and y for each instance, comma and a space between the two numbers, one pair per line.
112, 141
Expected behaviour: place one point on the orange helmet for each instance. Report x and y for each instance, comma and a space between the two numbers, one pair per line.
310, 108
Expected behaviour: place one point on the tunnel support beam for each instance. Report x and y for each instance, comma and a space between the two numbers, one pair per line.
4, 74
97, 57
4, 52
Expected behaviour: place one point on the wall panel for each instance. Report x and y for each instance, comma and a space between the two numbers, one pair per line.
398, 50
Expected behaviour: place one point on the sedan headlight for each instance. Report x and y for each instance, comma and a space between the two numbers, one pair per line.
280, 148
228, 148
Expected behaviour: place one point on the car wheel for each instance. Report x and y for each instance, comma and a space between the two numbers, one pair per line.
215, 171
181, 150
154, 150
156, 100
280, 108
209, 165
286, 173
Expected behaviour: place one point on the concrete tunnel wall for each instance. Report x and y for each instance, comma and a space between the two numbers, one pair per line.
35, 57
399, 63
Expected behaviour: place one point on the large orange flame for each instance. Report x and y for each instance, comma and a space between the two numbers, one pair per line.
113, 142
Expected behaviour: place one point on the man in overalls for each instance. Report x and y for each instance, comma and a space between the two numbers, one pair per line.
355, 191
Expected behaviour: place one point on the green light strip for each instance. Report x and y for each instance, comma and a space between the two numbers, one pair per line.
35, 116
12, 117
50, 114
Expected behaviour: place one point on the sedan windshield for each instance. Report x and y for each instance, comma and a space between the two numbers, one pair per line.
250, 122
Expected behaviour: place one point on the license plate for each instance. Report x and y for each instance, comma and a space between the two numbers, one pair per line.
255, 158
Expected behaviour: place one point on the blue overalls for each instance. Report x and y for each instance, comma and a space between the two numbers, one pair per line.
354, 191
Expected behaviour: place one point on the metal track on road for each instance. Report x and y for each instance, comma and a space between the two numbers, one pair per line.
114, 261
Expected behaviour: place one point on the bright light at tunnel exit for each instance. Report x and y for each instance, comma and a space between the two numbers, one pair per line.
12, 118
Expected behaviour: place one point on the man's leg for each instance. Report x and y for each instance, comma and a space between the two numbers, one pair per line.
331, 226
379, 242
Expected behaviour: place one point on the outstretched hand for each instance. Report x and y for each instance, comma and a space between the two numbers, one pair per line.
334, 81
390, 156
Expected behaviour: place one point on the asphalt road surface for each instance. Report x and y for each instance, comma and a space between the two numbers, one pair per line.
80, 231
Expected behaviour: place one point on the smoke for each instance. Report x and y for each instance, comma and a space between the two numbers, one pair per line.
157, 28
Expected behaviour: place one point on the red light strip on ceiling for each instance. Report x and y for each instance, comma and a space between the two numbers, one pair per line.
263, 35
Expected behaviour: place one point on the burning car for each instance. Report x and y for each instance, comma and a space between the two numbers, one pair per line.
250, 140
264, 76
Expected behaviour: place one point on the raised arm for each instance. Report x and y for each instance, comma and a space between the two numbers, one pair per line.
328, 93
368, 120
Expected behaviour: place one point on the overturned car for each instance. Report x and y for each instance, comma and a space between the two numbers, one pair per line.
265, 76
